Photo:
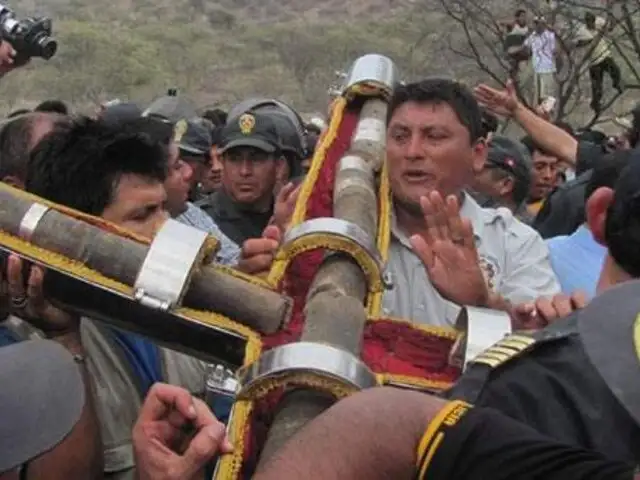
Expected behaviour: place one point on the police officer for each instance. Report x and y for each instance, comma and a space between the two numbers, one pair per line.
252, 160
194, 143
576, 380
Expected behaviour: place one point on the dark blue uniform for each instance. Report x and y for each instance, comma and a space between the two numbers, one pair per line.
573, 382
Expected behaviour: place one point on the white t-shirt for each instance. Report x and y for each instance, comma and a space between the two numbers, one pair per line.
543, 49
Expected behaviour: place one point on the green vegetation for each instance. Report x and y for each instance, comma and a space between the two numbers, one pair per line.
217, 54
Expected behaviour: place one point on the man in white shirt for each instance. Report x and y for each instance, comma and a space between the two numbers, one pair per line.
542, 43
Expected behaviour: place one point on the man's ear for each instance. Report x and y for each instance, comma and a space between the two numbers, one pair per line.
506, 186
479, 156
596, 212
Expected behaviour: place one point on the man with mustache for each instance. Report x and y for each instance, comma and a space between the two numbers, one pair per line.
446, 250
252, 161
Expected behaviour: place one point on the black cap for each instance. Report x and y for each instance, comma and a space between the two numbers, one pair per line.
171, 108
119, 113
511, 156
192, 137
251, 129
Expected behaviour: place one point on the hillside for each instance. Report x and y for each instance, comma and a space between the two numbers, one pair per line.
219, 52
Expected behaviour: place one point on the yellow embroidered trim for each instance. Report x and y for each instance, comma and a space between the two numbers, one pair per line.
230, 466
73, 267
210, 247
279, 267
414, 382
443, 332
253, 279
300, 379
337, 244
383, 240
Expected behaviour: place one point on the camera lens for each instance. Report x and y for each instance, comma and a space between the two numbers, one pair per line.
47, 47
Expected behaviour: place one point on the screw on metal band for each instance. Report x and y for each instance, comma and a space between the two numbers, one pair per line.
337, 235
31, 219
166, 270
324, 361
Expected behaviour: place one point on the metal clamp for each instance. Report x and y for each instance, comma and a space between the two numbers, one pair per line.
349, 235
479, 329
372, 69
31, 219
165, 272
307, 357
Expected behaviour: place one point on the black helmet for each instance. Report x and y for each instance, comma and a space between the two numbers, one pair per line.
290, 126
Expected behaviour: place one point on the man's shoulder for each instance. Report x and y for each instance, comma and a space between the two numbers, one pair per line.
506, 222
520, 362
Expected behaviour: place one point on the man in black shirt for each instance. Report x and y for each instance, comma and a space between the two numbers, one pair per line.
386, 433
575, 381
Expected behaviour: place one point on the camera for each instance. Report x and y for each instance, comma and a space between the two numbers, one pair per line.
30, 37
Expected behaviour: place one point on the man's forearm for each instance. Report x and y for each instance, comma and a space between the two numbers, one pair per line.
546, 135
372, 435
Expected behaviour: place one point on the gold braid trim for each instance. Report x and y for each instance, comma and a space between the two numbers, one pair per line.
253, 279
413, 382
442, 332
211, 245
308, 380
338, 244
73, 267
279, 267
230, 466
383, 240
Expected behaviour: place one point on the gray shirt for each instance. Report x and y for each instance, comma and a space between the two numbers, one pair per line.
229, 252
513, 257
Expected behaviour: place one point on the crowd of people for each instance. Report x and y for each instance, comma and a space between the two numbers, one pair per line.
542, 228
540, 42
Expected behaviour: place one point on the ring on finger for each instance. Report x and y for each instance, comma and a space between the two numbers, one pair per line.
19, 301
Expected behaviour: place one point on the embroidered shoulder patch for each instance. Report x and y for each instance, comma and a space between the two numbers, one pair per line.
504, 350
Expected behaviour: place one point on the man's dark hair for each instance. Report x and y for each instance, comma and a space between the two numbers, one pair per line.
622, 227
589, 17
53, 106
489, 122
15, 138
80, 164
158, 131
16, 142
607, 171
20, 111
520, 11
217, 116
439, 91
533, 147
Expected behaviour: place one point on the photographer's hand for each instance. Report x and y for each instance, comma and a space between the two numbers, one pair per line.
7, 58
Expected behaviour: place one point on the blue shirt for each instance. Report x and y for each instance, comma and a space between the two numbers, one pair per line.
577, 260
143, 354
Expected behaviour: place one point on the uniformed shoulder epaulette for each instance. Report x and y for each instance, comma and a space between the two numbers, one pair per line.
514, 345
506, 349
